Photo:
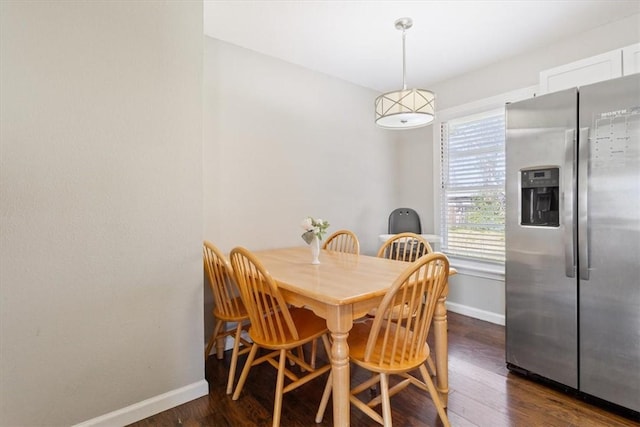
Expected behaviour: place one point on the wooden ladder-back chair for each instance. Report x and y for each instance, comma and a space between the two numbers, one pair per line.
276, 327
391, 345
343, 241
228, 308
406, 247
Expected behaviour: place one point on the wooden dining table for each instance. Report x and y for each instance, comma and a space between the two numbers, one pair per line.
342, 288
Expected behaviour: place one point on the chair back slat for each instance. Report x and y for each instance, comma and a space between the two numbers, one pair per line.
342, 241
405, 247
220, 275
397, 341
271, 321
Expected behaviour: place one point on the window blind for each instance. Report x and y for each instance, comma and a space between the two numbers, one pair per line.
473, 186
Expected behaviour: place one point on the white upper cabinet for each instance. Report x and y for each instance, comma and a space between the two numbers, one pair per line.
586, 71
631, 59
609, 65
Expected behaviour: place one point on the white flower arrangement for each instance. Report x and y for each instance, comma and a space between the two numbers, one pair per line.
313, 227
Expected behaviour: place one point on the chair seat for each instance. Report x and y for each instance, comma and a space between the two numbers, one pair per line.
308, 325
357, 341
241, 315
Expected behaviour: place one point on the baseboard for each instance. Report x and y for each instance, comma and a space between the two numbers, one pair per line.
146, 408
476, 313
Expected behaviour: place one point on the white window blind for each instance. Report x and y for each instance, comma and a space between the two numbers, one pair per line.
473, 186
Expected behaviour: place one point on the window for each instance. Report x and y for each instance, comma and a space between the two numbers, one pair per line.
472, 155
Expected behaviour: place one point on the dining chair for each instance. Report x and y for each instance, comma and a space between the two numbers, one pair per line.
228, 308
343, 241
405, 247
276, 327
396, 345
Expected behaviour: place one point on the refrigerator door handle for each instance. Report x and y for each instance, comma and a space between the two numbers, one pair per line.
569, 203
583, 205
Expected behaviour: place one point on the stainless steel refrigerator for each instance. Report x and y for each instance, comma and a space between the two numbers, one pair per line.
573, 239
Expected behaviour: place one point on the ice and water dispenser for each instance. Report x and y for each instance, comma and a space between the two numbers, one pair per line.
540, 197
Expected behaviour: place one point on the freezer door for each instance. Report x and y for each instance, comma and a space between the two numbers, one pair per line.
609, 240
541, 284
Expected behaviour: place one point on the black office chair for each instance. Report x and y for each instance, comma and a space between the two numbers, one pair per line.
404, 220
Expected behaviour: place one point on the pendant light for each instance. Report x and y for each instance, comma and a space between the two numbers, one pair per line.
406, 108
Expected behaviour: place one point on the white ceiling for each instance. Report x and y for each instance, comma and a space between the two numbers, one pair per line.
357, 41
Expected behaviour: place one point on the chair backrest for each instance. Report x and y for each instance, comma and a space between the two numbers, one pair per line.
404, 247
271, 321
423, 280
223, 287
343, 241
403, 220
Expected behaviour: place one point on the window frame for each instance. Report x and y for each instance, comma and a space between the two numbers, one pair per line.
488, 269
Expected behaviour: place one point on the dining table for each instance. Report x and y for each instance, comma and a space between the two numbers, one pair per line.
342, 288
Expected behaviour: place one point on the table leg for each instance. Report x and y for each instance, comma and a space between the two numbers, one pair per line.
339, 322
441, 347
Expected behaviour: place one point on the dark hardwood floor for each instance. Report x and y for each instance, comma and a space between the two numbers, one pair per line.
482, 393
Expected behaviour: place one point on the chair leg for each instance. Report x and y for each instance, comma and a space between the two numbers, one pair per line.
329, 386
325, 399
432, 366
386, 403
212, 338
314, 353
207, 349
374, 387
245, 371
234, 358
435, 396
301, 356
277, 405
220, 341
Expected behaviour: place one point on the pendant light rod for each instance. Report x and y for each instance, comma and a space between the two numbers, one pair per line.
404, 65
404, 24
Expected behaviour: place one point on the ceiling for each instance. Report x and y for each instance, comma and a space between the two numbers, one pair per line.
357, 41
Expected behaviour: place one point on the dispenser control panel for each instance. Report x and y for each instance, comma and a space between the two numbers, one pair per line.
540, 178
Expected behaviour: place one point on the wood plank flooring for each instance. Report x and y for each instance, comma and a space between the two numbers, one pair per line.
482, 393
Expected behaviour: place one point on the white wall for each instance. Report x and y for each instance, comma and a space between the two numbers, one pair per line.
101, 207
415, 176
480, 296
283, 142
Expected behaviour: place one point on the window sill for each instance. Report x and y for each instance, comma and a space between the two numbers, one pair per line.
487, 270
